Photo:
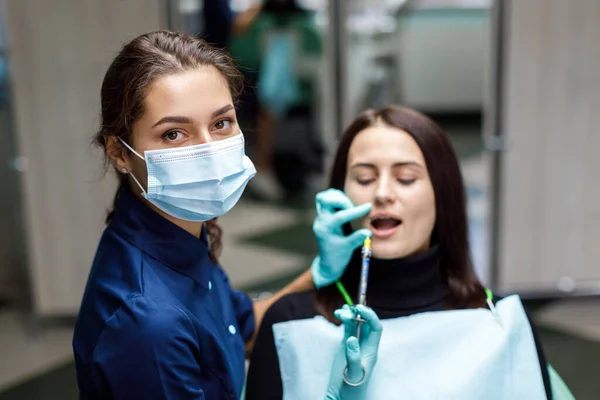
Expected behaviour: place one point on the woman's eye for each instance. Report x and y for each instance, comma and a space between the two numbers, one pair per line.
406, 181
223, 124
172, 136
364, 182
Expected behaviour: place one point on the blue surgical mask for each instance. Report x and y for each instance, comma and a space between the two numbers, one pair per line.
197, 183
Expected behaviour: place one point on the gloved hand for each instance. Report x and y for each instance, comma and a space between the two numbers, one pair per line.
359, 356
335, 249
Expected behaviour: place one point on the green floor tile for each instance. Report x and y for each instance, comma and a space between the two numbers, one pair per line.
296, 238
465, 134
278, 282
58, 384
467, 145
576, 360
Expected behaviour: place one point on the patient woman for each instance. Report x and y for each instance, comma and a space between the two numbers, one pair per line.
404, 165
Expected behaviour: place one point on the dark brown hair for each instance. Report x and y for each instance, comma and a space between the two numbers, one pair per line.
450, 230
127, 80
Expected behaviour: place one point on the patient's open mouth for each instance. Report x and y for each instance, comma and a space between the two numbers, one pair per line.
384, 226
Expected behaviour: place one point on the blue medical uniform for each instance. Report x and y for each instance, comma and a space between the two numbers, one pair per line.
159, 319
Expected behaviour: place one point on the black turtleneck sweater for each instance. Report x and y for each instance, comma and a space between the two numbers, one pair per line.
397, 288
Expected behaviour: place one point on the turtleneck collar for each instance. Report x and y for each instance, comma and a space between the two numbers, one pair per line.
401, 286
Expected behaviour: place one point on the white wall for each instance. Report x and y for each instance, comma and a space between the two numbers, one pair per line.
550, 208
60, 51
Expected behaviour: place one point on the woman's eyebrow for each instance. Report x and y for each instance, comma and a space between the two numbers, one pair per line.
176, 119
179, 119
222, 110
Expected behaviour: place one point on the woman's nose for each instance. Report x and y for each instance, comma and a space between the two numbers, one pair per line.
384, 191
204, 137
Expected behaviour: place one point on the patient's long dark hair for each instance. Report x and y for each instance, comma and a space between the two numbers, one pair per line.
450, 230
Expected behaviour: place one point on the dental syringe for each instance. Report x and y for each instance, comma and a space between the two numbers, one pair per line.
364, 272
364, 279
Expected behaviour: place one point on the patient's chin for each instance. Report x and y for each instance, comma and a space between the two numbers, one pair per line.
386, 250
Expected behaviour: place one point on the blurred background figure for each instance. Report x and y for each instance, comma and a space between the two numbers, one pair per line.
214, 20
514, 83
280, 55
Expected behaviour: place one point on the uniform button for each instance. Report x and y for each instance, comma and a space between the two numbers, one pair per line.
209, 285
232, 329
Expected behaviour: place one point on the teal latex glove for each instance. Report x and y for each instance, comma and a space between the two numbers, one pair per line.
358, 355
334, 209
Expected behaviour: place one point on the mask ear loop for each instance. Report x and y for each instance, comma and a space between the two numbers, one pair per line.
129, 172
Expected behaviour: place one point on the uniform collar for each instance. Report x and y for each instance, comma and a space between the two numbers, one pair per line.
160, 238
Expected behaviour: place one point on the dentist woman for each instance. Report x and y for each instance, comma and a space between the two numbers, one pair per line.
159, 319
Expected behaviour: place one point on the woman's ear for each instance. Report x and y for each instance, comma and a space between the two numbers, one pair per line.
117, 153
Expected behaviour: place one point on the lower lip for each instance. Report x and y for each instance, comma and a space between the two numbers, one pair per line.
384, 233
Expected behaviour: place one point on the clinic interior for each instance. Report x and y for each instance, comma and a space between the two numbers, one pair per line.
514, 84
